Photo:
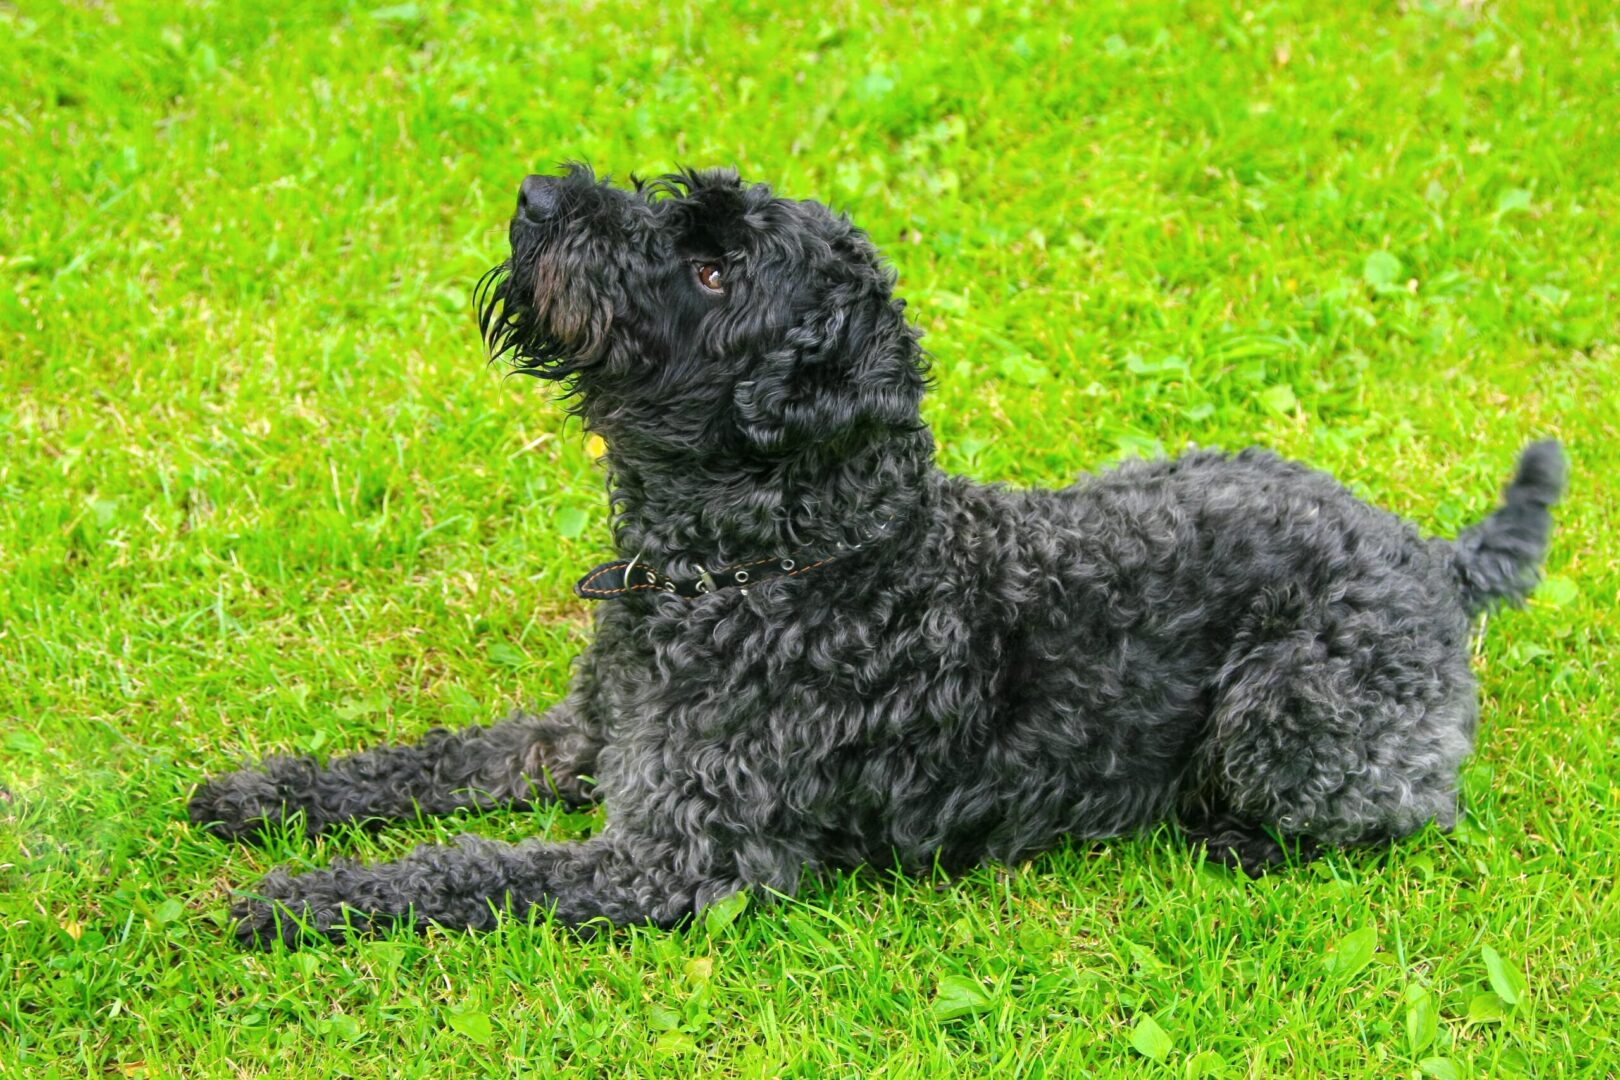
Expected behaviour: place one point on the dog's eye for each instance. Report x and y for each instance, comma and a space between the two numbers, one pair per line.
709, 276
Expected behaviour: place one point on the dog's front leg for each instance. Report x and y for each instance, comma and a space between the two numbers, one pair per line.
523, 759
620, 878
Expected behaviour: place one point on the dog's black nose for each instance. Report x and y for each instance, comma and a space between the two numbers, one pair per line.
537, 198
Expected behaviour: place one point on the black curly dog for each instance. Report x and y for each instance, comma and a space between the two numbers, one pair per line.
818, 650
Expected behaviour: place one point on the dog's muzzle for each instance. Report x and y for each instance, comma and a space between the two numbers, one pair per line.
538, 200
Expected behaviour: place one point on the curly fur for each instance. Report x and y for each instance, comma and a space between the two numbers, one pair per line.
1232, 641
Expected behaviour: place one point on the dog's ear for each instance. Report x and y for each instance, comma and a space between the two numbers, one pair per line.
850, 369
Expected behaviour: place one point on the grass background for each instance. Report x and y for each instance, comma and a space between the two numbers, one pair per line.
259, 492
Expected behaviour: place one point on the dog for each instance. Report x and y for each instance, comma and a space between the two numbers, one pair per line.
816, 650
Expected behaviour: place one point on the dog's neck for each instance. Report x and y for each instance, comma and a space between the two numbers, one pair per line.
718, 510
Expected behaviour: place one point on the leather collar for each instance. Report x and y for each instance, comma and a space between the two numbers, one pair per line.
612, 580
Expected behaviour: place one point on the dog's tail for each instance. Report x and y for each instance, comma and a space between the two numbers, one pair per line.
1499, 559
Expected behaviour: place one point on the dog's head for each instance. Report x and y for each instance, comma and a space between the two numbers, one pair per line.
696, 313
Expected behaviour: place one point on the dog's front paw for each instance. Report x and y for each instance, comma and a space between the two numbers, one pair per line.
261, 921
241, 805
237, 806
292, 910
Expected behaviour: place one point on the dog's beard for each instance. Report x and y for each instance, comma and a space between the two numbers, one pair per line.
532, 322
510, 327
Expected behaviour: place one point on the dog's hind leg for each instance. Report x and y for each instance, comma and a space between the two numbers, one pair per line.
1343, 737
1233, 842
522, 760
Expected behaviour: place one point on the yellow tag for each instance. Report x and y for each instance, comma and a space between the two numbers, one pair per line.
595, 446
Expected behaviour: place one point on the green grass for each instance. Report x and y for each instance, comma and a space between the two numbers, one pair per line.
258, 492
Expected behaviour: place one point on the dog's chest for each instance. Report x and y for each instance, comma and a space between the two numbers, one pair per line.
791, 672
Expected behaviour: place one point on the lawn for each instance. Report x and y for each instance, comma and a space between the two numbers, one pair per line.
260, 492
